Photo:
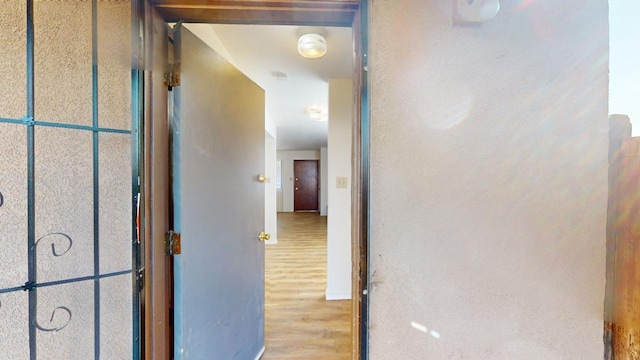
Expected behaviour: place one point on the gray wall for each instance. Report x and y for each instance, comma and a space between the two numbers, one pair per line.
489, 181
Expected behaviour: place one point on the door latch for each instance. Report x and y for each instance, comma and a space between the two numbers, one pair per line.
172, 243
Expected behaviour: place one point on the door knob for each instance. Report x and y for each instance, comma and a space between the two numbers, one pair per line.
263, 236
262, 178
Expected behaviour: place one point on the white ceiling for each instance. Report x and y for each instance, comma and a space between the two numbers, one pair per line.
261, 50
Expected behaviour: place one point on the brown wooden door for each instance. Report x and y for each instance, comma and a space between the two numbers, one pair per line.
305, 190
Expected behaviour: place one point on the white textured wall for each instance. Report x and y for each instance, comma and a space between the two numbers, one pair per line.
287, 157
279, 200
206, 33
339, 217
488, 181
324, 163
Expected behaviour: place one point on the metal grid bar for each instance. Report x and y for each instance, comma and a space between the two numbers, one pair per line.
96, 180
11, 121
30, 286
29, 121
31, 202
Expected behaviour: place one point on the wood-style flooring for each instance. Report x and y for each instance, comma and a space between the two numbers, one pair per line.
300, 323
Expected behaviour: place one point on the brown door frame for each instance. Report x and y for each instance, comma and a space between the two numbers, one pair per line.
155, 150
155, 193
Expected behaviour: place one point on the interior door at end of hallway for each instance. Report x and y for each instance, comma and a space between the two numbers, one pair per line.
219, 206
305, 185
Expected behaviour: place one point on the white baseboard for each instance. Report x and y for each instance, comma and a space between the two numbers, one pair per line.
338, 295
259, 354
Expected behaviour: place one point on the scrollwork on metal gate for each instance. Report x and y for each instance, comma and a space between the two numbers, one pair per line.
64, 323
61, 316
56, 236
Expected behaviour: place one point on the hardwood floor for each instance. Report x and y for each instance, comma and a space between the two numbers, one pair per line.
300, 323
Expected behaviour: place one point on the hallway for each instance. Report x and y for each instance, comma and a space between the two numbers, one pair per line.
300, 323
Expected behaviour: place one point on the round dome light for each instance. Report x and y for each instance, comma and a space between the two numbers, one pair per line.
478, 10
312, 46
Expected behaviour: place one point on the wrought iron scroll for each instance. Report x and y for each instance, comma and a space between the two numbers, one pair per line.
53, 315
64, 236
57, 252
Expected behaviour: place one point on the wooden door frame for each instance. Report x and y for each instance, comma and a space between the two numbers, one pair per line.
155, 150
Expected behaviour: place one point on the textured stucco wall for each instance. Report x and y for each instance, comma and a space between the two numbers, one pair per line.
488, 181
64, 181
13, 68
14, 313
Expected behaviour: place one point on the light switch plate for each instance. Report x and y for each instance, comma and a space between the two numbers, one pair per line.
341, 182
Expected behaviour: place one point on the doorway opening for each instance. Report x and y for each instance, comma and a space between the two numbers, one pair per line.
308, 256
358, 193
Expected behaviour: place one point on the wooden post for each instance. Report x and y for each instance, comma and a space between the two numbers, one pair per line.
622, 305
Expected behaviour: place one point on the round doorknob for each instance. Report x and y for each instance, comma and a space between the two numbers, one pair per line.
263, 236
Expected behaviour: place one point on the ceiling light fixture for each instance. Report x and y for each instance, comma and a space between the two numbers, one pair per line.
312, 45
316, 114
474, 11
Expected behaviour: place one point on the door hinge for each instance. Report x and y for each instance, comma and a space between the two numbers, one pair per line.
172, 76
172, 243
140, 278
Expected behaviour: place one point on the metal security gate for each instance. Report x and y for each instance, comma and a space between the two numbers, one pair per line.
68, 180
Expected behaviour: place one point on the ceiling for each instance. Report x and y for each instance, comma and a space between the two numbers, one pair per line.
259, 51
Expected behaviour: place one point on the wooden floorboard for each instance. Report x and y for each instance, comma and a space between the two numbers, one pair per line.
300, 323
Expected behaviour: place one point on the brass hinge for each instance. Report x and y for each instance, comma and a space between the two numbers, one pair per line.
172, 243
172, 76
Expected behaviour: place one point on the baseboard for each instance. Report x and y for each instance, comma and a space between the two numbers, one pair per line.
340, 295
259, 354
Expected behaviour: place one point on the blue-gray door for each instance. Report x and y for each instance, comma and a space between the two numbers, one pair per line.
218, 133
